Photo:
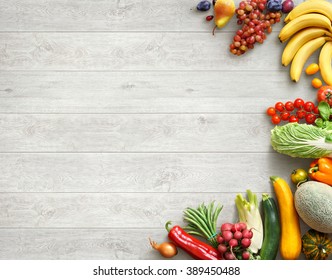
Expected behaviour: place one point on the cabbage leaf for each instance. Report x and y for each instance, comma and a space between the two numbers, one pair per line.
302, 140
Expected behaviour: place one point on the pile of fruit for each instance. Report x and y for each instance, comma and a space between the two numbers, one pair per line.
308, 29
256, 21
256, 18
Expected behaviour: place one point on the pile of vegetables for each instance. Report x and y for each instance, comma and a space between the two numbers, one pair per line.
247, 239
312, 200
262, 236
254, 236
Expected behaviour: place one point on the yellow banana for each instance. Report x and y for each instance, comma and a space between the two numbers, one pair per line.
299, 39
304, 21
308, 7
302, 56
325, 63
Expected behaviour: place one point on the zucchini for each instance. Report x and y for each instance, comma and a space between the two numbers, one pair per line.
272, 229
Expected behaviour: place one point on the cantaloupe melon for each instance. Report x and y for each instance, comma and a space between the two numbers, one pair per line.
313, 203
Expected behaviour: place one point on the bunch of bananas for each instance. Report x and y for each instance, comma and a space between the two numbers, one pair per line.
307, 29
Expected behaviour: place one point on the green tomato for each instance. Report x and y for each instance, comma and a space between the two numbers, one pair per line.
299, 176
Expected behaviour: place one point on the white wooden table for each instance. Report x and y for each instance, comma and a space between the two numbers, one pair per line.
115, 115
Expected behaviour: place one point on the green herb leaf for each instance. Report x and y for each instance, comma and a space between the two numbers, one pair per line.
319, 122
324, 110
328, 125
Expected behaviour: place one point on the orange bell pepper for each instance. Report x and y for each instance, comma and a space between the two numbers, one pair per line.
321, 170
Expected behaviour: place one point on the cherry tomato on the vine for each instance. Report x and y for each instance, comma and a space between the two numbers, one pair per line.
279, 106
298, 103
293, 118
285, 116
309, 106
294, 111
275, 119
301, 114
315, 110
289, 105
310, 118
271, 111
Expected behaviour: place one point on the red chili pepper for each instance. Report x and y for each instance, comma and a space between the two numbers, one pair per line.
194, 247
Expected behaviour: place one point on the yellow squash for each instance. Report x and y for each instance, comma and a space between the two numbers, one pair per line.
290, 241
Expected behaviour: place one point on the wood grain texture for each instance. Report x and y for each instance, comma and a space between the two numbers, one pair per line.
106, 15
134, 133
116, 115
146, 51
98, 210
142, 173
72, 244
147, 92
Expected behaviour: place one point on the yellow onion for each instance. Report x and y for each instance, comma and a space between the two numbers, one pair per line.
166, 249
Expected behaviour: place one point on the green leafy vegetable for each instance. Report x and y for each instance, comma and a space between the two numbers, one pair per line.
325, 112
249, 213
302, 140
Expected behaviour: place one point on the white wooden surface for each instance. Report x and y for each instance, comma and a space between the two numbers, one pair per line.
116, 115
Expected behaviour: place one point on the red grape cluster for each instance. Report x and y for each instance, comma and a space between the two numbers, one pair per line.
293, 111
256, 20
234, 240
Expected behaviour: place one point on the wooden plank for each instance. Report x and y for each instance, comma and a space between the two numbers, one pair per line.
144, 173
135, 133
147, 92
98, 210
85, 244
146, 51
80, 244
105, 15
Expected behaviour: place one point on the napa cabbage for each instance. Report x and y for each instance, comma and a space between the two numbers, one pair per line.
302, 140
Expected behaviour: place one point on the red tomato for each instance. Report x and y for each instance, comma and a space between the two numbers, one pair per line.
285, 116
315, 110
325, 94
271, 111
301, 114
298, 103
309, 106
293, 118
275, 119
279, 106
289, 105
310, 118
